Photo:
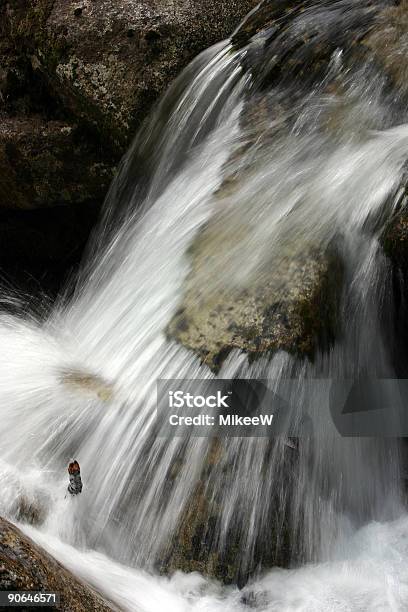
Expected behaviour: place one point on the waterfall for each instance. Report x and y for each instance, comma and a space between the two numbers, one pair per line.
313, 168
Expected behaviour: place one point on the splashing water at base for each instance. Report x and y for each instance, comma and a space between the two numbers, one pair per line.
369, 572
81, 383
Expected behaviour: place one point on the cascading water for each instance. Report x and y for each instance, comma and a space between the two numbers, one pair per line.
321, 170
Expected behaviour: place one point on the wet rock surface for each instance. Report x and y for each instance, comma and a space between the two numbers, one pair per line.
24, 566
195, 545
293, 308
387, 43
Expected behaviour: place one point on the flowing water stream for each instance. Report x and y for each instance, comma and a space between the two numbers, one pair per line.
322, 169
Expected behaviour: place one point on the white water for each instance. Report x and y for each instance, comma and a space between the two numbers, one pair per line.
369, 572
310, 187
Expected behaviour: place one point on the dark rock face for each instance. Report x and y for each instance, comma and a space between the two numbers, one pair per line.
105, 63
110, 61
76, 80
395, 241
24, 566
47, 163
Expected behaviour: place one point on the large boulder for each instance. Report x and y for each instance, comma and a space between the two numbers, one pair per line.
288, 300
77, 78
24, 566
107, 62
292, 308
